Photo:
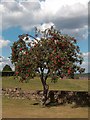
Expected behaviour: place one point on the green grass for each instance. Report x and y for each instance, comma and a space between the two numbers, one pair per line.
23, 108
35, 84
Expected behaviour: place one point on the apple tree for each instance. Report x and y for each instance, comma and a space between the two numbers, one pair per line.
55, 54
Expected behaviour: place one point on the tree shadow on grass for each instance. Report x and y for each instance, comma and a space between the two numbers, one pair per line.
55, 104
36, 103
61, 104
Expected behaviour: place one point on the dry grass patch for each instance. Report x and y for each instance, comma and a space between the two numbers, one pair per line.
25, 109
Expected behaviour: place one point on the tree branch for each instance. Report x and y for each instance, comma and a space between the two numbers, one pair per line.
47, 75
33, 37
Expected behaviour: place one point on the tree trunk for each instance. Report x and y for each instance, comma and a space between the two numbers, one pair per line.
45, 86
45, 91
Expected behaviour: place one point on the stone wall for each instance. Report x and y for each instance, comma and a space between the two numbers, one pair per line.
61, 97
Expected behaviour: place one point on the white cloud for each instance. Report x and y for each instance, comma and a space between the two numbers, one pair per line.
56, 5
79, 33
45, 26
3, 43
7, 0
86, 66
86, 55
64, 14
86, 62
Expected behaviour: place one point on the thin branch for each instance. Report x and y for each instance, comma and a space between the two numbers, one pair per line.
33, 37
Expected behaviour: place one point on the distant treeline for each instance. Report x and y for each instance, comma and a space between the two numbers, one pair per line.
84, 75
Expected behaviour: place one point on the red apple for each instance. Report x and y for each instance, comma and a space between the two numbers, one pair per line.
17, 73
21, 49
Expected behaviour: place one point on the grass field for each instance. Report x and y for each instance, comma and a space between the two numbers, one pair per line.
35, 84
24, 108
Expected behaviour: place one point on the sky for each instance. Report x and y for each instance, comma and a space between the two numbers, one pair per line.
22, 16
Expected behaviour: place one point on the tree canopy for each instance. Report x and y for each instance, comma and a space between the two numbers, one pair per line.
55, 55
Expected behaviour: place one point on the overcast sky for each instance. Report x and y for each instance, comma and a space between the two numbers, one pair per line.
68, 16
